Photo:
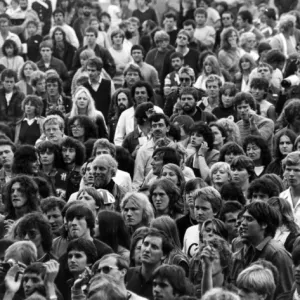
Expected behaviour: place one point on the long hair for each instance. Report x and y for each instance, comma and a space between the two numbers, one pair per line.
23, 157
213, 61
92, 112
90, 128
286, 132
58, 28
227, 32
28, 62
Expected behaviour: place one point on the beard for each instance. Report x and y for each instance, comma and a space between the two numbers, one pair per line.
122, 107
188, 109
100, 182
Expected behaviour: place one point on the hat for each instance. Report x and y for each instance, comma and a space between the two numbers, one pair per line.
107, 197
270, 13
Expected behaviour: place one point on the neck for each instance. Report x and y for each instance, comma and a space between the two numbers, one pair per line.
27, 79
181, 49
82, 111
47, 168
91, 46
70, 167
213, 101
4, 33
7, 168
162, 213
139, 63
248, 27
87, 236
21, 211
40, 252
200, 25
47, 60
257, 240
53, 98
147, 270
81, 139
30, 116
145, 129
245, 186
257, 163
218, 279
118, 47
295, 191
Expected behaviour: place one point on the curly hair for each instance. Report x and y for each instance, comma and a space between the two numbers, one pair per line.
116, 95
34, 101
205, 131
33, 66
263, 185
146, 85
36, 220
69, 142
230, 147
233, 131
244, 162
261, 143
226, 33
23, 157
90, 128
51, 203
29, 189
37, 76
8, 44
45, 146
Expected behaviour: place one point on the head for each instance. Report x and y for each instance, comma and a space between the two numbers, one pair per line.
162, 39
246, 63
265, 71
230, 191
54, 127
82, 128
137, 53
244, 19
248, 41
53, 85
186, 77
229, 38
291, 165
46, 49
122, 99
142, 113
9, 79
103, 146
160, 125
73, 152
227, 92
213, 227
183, 38
199, 133
200, 16
220, 173
244, 104
26, 160
232, 130
229, 151
7, 149
117, 37
141, 92
132, 74
170, 20
291, 114
174, 173
49, 154
104, 169
189, 26
261, 189
287, 23
10, 48
38, 81
32, 105
58, 16
59, 35
227, 19
177, 60
275, 58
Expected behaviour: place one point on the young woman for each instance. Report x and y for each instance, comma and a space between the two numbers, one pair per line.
38, 82
248, 44
220, 135
229, 151
83, 104
257, 149
233, 131
24, 84
220, 173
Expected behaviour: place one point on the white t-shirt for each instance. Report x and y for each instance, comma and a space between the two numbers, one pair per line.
191, 241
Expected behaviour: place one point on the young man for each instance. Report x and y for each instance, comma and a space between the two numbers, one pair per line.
258, 226
227, 19
207, 205
204, 33
190, 26
262, 189
213, 17
170, 27
155, 248
10, 98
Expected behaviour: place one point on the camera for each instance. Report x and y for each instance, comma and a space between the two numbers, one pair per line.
290, 81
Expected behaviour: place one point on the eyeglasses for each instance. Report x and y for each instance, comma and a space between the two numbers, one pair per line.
184, 79
106, 269
76, 126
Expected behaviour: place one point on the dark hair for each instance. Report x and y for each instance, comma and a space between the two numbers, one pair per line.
156, 117
169, 155
176, 55
291, 111
96, 62
7, 130
6, 142
221, 129
10, 43
91, 29
140, 112
274, 56
86, 246
112, 230
94, 194
90, 128
138, 235
58, 28
219, 228
125, 160
229, 207
51, 203
263, 213
24, 155
9, 73
193, 184
260, 142
200, 11
55, 149
231, 192
53, 78
46, 189
37, 268
34, 101
230, 147
58, 11
184, 121
170, 15
227, 86
260, 83
137, 47
189, 22
244, 162
36, 220
286, 132
203, 129
30, 189
116, 95
246, 15
144, 84
244, 97
69, 142
189, 91
263, 185
89, 146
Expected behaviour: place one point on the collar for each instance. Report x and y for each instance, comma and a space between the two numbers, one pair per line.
110, 186
99, 81
26, 119
263, 244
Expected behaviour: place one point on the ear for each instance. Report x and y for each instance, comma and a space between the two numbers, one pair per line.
264, 226
123, 272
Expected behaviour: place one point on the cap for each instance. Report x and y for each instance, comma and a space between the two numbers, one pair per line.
270, 13
107, 197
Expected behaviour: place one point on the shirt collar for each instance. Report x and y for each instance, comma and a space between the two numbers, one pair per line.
99, 81
263, 244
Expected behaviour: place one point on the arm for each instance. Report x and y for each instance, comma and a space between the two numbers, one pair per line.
271, 114
210, 37
52, 267
265, 128
154, 79
120, 130
207, 277
73, 38
109, 63
139, 170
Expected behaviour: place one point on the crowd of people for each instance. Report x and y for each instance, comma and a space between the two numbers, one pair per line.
149, 149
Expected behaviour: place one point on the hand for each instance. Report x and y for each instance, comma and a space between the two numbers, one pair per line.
52, 268
13, 278
251, 119
207, 255
203, 149
82, 279
8, 224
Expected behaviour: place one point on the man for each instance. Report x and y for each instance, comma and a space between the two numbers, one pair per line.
141, 92
104, 169
155, 247
169, 282
213, 17
160, 126
291, 166
132, 74
100, 88
100, 52
170, 27
227, 19
59, 20
52, 209
188, 99
207, 205
10, 98
149, 72
262, 189
147, 38
271, 21
258, 226
190, 26
49, 62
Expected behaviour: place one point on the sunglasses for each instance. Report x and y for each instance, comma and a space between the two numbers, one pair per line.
226, 18
184, 79
106, 269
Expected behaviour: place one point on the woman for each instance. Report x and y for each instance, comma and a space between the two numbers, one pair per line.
121, 56
220, 135
233, 131
241, 78
202, 140
137, 211
176, 256
165, 197
242, 169
226, 105
248, 44
82, 128
11, 59
62, 49
210, 66
229, 151
83, 104
211, 228
102, 38
284, 144
30, 127
25, 77
220, 173
230, 53
288, 232
112, 231
257, 149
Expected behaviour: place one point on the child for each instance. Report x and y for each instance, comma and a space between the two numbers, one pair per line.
33, 41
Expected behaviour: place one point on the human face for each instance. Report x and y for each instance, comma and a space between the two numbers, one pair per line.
102, 175
31, 29
163, 290
52, 89
109, 266
77, 261
29, 109
264, 72
240, 22
152, 253
47, 157
4, 25
196, 139
41, 86
17, 194
28, 70
249, 295
227, 99
220, 176
250, 229
90, 38
157, 164
259, 196
200, 19
160, 200
229, 156
58, 36
185, 80
227, 20
55, 219
169, 24
46, 53
6, 155
141, 95
177, 63
202, 210
89, 200
9, 51
59, 19
257, 93
30, 282
100, 151
254, 152
207, 67
170, 174
182, 40
137, 56
77, 227
219, 139
33, 235
250, 43
285, 145
122, 101
132, 213
243, 110
190, 30
93, 73
34, 166
230, 223
213, 89
132, 77
8, 84
239, 176
162, 44
188, 103
117, 39
88, 176
82, 101
69, 155
53, 133
137, 253
77, 130
95, 24
159, 129
232, 39
292, 174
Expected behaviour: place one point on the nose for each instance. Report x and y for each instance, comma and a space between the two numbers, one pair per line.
28, 283
26, 237
129, 212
